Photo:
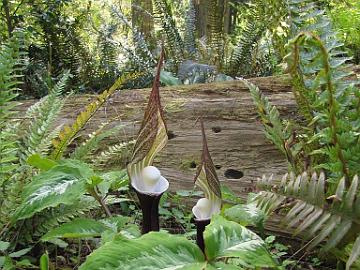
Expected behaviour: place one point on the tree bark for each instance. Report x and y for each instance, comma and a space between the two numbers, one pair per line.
141, 14
201, 17
8, 17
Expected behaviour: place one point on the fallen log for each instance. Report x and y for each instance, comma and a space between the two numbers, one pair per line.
236, 141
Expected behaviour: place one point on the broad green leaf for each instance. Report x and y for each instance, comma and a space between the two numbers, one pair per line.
41, 163
222, 265
62, 184
116, 223
227, 239
4, 245
168, 78
246, 214
44, 261
152, 251
113, 180
77, 228
19, 253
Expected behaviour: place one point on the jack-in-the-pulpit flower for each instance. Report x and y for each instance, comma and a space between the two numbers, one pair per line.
150, 181
205, 208
206, 179
146, 179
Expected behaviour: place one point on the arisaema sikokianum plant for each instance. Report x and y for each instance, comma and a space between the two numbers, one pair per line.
206, 179
222, 244
146, 179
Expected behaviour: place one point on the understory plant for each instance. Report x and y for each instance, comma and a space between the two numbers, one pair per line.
39, 189
62, 182
323, 141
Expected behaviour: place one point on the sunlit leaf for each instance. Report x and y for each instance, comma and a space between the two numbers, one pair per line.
227, 239
62, 184
155, 250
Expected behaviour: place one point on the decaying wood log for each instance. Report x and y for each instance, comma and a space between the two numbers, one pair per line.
235, 136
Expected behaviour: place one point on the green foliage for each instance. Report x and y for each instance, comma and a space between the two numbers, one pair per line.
174, 42
346, 18
312, 214
67, 135
226, 239
250, 36
325, 137
155, 250
44, 261
62, 184
86, 149
39, 135
246, 215
11, 58
159, 250
116, 155
77, 228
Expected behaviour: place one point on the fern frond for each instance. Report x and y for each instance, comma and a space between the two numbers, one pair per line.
43, 115
174, 41
190, 28
140, 56
83, 151
215, 36
313, 215
51, 218
117, 154
239, 61
9, 147
68, 133
278, 132
12, 64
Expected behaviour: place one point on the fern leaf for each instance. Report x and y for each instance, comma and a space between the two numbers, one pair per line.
332, 220
118, 154
68, 133
83, 151
43, 115
174, 41
355, 253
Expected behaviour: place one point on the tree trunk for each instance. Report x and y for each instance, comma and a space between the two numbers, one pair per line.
8, 17
201, 17
141, 14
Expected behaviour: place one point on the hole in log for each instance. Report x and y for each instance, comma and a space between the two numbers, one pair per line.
218, 167
171, 135
233, 174
192, 165
216, 129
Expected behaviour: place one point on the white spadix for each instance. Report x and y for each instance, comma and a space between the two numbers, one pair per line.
150, 181
205, 208
151, 175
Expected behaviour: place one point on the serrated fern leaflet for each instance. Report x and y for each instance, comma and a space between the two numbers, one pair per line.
67, 135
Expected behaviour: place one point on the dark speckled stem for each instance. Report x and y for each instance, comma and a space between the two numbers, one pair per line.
200, 228
150, 210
